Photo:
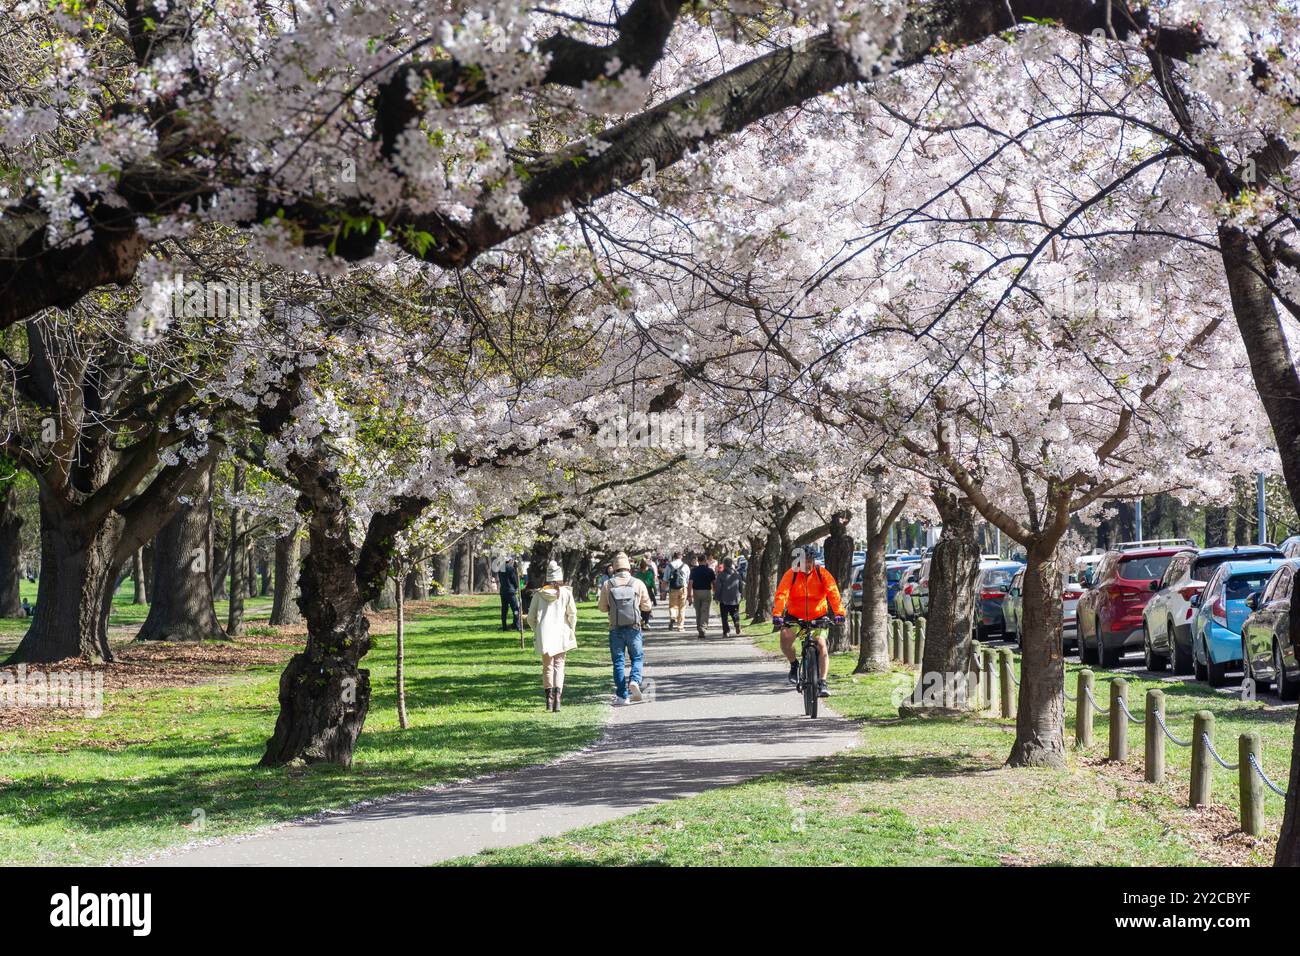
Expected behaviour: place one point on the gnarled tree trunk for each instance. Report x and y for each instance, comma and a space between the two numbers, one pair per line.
11, 604
838, 557
1040, 714
284, 604
873, 652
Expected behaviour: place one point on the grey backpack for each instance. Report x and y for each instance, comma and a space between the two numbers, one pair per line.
623, 601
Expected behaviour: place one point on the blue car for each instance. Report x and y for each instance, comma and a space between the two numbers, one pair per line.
1221, 610
893, 574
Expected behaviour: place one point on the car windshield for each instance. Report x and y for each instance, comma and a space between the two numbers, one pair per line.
1144, 569
1242, 586
997, 578
893, 574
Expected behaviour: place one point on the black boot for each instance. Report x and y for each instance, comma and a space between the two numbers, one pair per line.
550, 698
559, 691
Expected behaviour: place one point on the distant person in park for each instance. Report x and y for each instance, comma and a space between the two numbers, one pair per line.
624, 598
742, 568
508, 586
27, 608
727, 590
807, 591
678, 576
553, 616
645, 573
700, 592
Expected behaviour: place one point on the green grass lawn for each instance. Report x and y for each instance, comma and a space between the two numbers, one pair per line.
935, 792
131, 781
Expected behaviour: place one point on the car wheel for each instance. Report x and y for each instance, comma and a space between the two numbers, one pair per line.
1287, 688
1182, 657
1108, 656
1247, 671
1154, 661
1198, 667
1215, 674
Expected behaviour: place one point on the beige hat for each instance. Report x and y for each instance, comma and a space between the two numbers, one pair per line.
621, 563
554, 573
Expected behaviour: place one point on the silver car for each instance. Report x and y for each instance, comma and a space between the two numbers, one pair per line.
1013, 608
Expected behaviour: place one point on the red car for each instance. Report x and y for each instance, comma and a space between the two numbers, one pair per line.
1110, 612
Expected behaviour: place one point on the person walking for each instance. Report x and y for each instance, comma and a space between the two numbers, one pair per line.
700, 592
727, 590
678, 575
553, 616
645, 573
508, 586
624, 598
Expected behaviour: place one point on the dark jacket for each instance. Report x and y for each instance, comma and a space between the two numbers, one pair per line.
727, 587
508, 580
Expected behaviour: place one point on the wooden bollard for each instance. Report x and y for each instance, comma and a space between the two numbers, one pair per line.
1083, 710
1202, 772
1006, 674
989, 700
908, 645
1118, 719
977, 678
895, 644
918, 643
1252, 788
1155, 737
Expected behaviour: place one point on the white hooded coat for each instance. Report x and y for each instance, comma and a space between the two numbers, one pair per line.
553, 616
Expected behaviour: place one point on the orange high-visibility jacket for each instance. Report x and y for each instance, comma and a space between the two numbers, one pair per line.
806, 595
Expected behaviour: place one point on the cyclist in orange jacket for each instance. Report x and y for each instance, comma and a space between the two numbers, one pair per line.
806, 592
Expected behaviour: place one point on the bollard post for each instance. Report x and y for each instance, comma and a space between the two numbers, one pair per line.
1083, 710
918, 644
1155, 738
1202, 772
1006, 675
907, 642
1118, 720
1252, 788
894, 647
989, 700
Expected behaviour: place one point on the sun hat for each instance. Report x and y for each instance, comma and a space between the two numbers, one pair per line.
553, 573
621, 562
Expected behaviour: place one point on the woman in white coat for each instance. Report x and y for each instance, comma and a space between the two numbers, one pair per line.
553, 616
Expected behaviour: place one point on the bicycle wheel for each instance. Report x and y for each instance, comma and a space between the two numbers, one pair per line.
811, 672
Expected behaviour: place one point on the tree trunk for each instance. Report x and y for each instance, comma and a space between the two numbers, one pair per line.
238, 562
954, 568
414, 584
1273, 369
764, 568
752, 610
182, 607
873, 652
838, 557
284, 603
264, 574
11, 604
1040, 716
1216, 526
75, 593
140, 594
441, 568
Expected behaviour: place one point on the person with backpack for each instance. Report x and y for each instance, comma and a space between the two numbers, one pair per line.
508, 586
727, 590
553, 616
678, 575
700, 592
625, 599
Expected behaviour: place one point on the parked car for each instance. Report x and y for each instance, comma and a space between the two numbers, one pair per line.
1267, 650
1085, 569
1167, 617
904, 606
1221, 610
1110, 612
1013, 608
1291, 546
991, 590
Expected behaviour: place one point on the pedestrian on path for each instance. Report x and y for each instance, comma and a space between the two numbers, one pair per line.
727, 590
553, 616
646, 574
508, 586
678, 576
701, 592
625, 599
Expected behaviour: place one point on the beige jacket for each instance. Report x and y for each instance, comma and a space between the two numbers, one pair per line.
553, 616
620, 578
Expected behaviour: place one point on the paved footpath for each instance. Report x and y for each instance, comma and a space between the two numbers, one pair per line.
721, 712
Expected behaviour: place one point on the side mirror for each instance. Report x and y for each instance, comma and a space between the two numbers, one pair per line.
1155, 585
1195, 600
1252, 600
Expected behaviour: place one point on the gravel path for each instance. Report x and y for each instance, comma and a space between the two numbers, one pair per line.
717, 712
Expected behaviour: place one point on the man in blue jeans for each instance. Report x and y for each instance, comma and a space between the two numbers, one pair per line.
624, 598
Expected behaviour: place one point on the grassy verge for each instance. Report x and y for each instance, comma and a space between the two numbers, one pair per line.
159, 759
935, 792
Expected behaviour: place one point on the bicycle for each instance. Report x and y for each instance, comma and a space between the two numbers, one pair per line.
808, 681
